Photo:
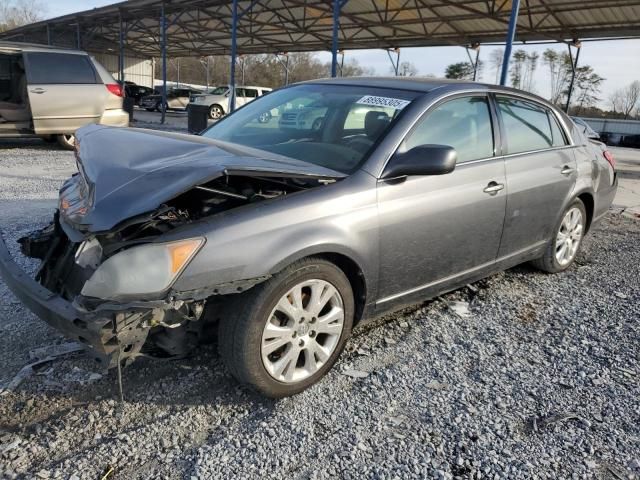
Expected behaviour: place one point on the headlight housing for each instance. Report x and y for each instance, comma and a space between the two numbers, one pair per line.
142, 270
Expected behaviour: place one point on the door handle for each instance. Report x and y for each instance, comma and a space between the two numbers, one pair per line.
566, 170
38, 90
493, 188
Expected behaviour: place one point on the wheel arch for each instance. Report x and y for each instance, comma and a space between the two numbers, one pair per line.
348, 265
589, 204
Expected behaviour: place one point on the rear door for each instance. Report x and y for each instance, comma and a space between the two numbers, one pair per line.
438, 229
65, 91
541, 172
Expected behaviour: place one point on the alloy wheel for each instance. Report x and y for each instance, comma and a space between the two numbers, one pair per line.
302, 331
569, 236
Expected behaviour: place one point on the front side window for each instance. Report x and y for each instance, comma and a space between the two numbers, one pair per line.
528, 126
328, 125
250, 92
463, 123
59, 68
219, 90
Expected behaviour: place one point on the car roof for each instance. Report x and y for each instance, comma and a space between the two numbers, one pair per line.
426, 85
35, 47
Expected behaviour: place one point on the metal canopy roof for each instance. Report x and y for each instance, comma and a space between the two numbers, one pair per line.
203, 27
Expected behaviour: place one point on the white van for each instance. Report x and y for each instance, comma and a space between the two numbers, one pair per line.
217, 99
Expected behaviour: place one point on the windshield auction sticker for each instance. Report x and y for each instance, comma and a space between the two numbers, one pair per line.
374, 101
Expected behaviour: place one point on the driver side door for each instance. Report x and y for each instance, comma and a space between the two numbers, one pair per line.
436, 231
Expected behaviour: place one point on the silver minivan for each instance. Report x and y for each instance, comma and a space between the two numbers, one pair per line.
51, 92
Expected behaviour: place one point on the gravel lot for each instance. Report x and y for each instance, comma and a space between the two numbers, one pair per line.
541, 379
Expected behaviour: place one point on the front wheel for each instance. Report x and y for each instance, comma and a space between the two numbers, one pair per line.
563, 248
66, 141
282, 336
215, 112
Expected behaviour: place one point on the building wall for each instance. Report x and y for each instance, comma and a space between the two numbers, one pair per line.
136, 69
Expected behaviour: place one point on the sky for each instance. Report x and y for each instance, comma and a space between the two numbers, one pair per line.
618, 61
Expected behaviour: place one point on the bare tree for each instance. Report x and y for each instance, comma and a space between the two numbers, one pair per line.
629, 97
14, 13
407, 69
615, 100
495, 60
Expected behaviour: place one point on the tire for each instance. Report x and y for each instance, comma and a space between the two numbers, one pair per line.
264, 117
242, 330
66, 141
216, 112
553, 261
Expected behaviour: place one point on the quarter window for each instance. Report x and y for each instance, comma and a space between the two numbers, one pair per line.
528, 126
59, 68
463, 123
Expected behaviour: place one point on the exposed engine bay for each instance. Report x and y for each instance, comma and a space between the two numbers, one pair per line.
174, 324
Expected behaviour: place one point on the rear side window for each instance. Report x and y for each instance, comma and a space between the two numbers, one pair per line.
463, 123
59, 68
250, 92
528, 126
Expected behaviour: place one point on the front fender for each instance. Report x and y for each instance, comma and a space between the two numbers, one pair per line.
258, 240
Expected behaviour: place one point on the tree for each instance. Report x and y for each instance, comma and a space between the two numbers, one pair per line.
559, 65
495, 60
460, 70
517, 62
407, 69
615, 100
587, 84
14, 13
352, 68
629, 97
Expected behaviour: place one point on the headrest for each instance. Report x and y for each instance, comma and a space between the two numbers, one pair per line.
375, 122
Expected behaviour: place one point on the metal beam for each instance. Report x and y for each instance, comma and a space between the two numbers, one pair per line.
511, 33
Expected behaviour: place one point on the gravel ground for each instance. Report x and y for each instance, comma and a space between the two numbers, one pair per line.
540, 379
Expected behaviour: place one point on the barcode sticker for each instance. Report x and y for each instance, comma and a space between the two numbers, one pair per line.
375, 101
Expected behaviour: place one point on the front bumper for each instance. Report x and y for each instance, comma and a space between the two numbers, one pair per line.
107, 335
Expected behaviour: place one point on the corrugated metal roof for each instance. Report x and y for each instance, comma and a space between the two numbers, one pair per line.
199, 27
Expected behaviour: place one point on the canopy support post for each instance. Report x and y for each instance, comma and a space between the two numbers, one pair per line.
395, 64
121, 50
78, 36
511, 33
163, 48
337, 6
234, 54
574, 67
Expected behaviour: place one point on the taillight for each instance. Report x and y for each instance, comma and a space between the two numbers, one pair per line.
116, 89
609, 156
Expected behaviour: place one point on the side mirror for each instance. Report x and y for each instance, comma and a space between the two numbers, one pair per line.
422, 160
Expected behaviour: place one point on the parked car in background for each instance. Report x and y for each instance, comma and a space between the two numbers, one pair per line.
218, 99
586, 128
177, 99
285, 238
611, 139
137, 92
51, 92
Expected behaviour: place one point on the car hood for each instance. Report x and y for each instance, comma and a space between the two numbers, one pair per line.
126, 172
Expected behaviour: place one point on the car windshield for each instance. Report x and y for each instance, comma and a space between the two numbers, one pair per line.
219, 90
334, 126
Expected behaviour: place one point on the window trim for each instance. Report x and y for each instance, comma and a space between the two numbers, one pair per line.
549, 111
488, 91
497, 142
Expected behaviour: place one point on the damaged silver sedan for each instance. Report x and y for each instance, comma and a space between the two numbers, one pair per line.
354, 198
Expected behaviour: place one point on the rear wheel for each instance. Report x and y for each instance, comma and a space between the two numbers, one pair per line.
282, 336
66, 141
216, 112
563, 248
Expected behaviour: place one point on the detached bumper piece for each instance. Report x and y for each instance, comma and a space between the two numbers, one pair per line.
108, 336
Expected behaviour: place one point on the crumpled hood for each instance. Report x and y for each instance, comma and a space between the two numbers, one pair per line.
125, 172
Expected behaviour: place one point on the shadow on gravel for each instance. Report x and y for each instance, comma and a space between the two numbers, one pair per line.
36, 143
